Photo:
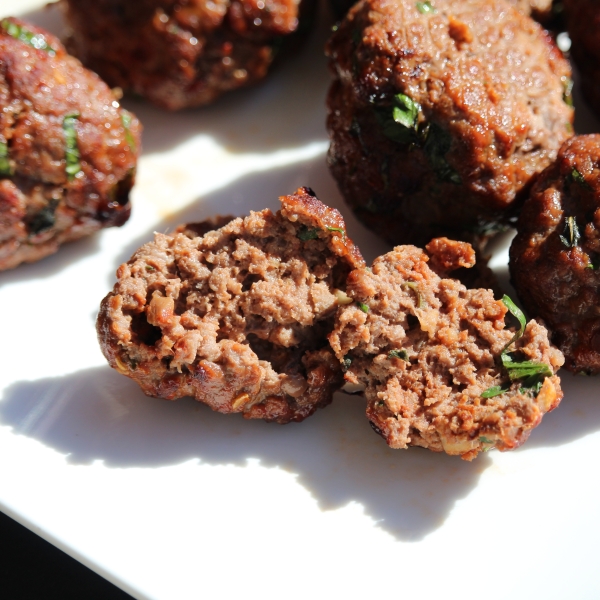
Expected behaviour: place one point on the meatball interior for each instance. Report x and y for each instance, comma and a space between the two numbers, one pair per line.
68, 152
441, 113
555, 257
238, 317
427, 351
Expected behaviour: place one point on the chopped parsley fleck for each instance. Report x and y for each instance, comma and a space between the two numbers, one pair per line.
5, 168
400, 123
307, 233
150, 268
484, 440
126, 121
402, 354
437, 145
346, 362
71, 150
594, 265
524, 369
571, 235
411, 285
362, 306
567, 90
494, 391
339, 230
580, 179
35, 40
44, 219
516, 312
425, 7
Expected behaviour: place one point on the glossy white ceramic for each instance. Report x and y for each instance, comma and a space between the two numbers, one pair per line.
171, 501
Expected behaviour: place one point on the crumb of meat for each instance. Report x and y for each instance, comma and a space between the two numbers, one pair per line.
427, 349
237, 317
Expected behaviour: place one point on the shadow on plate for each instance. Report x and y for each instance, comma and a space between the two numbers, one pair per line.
286, 110
97, 414
260, 190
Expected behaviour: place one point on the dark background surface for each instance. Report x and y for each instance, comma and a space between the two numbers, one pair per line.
33, 569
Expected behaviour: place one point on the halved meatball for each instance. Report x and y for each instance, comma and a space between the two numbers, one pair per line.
441, 113
555, 257
181, 53
437, 365
237, 317
68, 151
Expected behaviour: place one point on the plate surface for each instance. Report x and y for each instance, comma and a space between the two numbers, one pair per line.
171, 501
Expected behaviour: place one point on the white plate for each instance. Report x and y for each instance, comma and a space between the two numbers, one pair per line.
172, 501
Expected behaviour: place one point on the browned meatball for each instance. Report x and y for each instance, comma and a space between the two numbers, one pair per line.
237, 317
440, 117
540, 10
68, 152
555, 258
180, 53
437, 364
583, 24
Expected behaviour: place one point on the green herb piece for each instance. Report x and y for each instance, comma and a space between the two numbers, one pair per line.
411, 285
362, 306
532, 387
425, 8
516, 312
35, 40
400, 124
437, 144
524, 369
5, 168
567, 90
494, 391
44, 219
339, 230
580, 179
307, 233
402, 354
71, 150
571, 235
126, 121
150, 268
569, 127
594, 265
346, 362
484, 440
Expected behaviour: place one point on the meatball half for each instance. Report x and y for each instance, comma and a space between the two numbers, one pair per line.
583, 24
181, 53
68, 152
238, 317
555, 257
437, 364
441, 113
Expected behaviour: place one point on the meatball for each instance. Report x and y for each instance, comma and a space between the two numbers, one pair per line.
439, 118
68, 152
181, 53
437, 365
583, 24
238, 317
555, 257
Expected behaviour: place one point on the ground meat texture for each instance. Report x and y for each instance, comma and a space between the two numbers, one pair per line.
238, 317
440, 118
583, 25
424, 349
181, 53
555, 257
67, 150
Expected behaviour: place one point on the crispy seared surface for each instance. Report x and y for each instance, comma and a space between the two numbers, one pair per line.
425, 349
40, 208
237, 317
489, 83
180, 53
559, 279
